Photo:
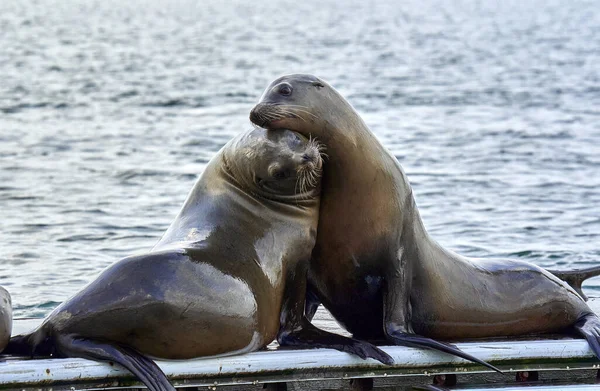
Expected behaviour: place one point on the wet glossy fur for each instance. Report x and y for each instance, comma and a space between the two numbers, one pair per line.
228, 276
374, 266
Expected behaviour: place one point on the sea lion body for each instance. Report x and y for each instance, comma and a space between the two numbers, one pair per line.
214, 283
374, 266
179, 307
5, 317
228, 276
491, 298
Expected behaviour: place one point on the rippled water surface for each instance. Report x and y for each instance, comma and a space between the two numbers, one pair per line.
110, 109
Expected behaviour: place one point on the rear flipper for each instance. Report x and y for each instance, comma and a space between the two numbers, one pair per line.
588, 326
576, 277
417, 341
142, 367
309, 336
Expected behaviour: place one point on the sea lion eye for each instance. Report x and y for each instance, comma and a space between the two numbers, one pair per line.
284, 89
280, 175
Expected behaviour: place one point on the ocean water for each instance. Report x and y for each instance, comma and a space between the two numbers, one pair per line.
109, 110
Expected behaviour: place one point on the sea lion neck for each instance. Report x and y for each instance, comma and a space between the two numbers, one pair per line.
380, 171
358, 161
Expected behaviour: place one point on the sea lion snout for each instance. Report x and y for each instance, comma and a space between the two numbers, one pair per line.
311, 163
313, 155
265, 113
256, 117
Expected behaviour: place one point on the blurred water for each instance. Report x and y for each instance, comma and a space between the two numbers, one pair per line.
110, 109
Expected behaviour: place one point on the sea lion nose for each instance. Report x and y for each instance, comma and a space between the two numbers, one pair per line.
307, 158
255, 116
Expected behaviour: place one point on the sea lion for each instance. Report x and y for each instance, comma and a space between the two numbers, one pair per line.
5, 317
227, 277
375, 267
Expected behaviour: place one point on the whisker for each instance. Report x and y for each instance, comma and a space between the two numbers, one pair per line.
277, 111
305, 112
297, 183
292, 115
301, 107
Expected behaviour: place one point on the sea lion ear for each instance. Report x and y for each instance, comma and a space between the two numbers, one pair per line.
318, 84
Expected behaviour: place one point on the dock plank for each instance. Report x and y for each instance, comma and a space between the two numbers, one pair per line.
280, 365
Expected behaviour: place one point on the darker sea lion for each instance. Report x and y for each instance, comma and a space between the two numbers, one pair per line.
228, 276
375, 267
5, 317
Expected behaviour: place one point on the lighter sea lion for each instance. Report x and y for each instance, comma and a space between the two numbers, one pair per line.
228, 276
5, 317
375, 267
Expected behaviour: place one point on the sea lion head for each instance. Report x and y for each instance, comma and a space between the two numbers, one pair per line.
304, 104
276, 164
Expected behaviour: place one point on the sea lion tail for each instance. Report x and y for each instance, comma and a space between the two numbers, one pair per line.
144, 368
588, 325
576, 277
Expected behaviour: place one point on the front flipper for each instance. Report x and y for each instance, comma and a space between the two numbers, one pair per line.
296, 330
142, 367
417, 341
309, 336
397, 317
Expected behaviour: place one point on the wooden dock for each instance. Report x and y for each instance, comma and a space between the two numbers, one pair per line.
541, 364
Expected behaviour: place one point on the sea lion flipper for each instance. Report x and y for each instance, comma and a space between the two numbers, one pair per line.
296, 330
575, 278
309, 336
588, 325
142, 367
397, 318
417, 341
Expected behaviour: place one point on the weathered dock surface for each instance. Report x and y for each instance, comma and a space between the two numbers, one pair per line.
561, 358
